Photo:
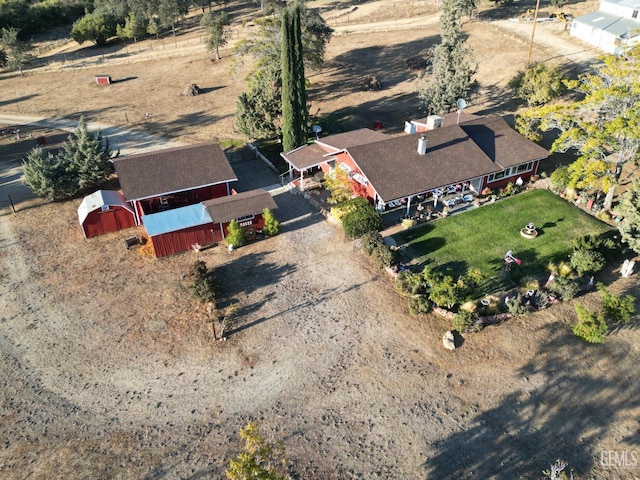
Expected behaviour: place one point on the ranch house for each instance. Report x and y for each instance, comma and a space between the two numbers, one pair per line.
432, 161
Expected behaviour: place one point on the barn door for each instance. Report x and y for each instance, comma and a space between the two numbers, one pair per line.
109, 221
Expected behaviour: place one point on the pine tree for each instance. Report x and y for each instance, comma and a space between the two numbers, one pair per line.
629, 207
88, 156
450, 75
84, 163
47, 176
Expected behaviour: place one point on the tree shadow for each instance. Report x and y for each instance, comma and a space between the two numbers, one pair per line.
560, 410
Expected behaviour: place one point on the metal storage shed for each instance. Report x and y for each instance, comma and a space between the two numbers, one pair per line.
105, 211
178, 230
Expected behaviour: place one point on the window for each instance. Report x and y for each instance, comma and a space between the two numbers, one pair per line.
497, 176
525, 167
245, 221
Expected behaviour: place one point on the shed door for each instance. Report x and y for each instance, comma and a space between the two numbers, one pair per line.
109, 221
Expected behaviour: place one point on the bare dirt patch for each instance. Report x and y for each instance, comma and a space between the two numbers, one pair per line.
110, 370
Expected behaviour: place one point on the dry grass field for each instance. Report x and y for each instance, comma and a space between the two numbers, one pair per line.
109, 367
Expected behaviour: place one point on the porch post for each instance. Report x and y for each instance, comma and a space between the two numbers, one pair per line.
408, 205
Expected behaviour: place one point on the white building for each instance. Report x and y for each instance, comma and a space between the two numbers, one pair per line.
614, 26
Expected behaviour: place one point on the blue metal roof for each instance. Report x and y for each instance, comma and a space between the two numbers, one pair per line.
176, 219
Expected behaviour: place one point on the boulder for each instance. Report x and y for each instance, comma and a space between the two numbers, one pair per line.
449, 341
192, 90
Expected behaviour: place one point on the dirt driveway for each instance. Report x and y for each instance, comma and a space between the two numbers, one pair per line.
109, 367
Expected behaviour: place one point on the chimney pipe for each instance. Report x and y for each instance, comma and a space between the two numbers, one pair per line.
422, 144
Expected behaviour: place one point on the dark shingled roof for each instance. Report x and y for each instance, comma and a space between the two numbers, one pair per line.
340, 141
501, 143
253, 202
173, 170
306, 156
396, 169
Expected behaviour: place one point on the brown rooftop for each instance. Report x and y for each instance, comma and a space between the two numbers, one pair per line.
306, 156
340, 141
396, 169
253, 202
501, 143
173, 170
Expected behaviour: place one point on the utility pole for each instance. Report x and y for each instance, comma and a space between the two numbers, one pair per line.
533, 31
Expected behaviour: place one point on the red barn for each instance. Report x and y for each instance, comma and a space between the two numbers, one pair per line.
181, 229
105, 211
176, 177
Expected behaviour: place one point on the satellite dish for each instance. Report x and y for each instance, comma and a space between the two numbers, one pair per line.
461, 103
316, 129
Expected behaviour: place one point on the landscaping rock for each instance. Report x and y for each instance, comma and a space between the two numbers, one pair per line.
448, 341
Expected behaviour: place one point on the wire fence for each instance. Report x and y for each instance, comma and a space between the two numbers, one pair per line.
121, 54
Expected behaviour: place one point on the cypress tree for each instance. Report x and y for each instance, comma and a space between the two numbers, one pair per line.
288, 90
294, 96
300, 82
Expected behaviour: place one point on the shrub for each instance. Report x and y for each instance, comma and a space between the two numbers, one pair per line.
370, 241
465, 321
530, 283
235, 235
559, 179
203, 285
373, 245
564, 288
606, 246
537, 84
591, 326
617, 309
410, 283
362, 219
587, 261
271, 224
419, 304
443, 291
540, 300
516, 306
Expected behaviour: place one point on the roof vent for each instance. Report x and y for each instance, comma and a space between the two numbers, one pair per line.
422, 144
433, 122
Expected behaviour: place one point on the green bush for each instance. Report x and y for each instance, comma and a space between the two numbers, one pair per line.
235, 235
587, 261
419, 304
410, 283
465, 321
591, 326
443, 290
537, 84
599, 243
564, 288
516, 306
617, 309
271, 224
361, 219
203, 285
559, 179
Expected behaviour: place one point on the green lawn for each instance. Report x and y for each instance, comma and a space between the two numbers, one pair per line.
479, 238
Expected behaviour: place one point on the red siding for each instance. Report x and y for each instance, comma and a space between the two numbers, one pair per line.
181, 199
501, 183
112, 220
183, 240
